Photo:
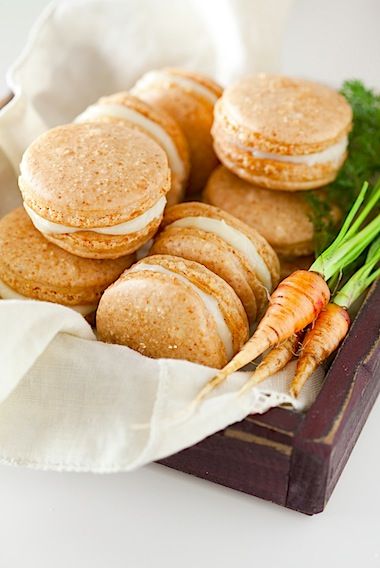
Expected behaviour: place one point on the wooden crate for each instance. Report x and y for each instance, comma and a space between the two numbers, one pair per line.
291, 458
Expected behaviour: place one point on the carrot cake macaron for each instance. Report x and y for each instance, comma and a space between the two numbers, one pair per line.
189, 98
98, 190
165, 306
31, 268
135, 113
282, 133
233, 250
283, 218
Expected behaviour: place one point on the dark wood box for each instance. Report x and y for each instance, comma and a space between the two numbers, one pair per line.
291, 458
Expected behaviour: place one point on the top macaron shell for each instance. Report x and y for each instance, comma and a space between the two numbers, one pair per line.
285, 117
88, 176
217, 254
129, 110
161, 315
37, 269
180, 94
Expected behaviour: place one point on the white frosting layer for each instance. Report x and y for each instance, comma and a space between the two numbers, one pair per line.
119, 111
155, 77
134, 226
332, 154
7, 293
210, 303
234, 238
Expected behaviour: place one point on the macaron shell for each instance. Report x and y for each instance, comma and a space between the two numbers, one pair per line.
162, 119
198, 209
194, 114
218, 256
93, 174
283, 115
291, 235
35, 268
87, 244
161, 316
273, 174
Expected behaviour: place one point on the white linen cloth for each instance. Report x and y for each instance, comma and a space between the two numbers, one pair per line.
68, 401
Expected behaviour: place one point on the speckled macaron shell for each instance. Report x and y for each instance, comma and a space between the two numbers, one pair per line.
158, 117
283, 218
33, 267
160, 315
282, 116
94, 176
192, 111
218, 255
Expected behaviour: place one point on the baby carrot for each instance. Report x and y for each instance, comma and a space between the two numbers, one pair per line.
320, 341
333, 323
294, 304
274, 361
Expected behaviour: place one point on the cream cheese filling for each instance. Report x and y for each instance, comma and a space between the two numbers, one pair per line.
155, 77
97, 111
234, 238
7, 293
332, 154
134, 226
211, 304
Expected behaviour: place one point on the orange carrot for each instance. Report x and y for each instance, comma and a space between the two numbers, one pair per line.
294, 304
320, 341
274, 361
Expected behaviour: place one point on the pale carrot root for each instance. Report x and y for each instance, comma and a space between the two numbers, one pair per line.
294, 304
320, 341
273, 362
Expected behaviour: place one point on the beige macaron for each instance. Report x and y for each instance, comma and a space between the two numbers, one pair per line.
283, 218
189, 98
282, 133
129, 110
98, 190
33, 268
225, 245
165, 306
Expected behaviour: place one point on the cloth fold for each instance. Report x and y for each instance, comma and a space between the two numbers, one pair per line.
67, 401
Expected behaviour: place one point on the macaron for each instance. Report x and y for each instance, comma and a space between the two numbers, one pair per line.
165, 306
231, 249
189, 98
33, 268
283, 218
126, 109
281, 132
97, 190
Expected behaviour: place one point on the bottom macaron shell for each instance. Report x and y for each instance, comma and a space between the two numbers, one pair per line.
36, 269
161, 314
89, 244
274, 174
217, 256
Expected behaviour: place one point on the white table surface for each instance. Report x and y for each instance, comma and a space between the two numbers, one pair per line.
158, 517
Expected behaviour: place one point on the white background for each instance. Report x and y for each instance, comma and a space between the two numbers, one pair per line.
158, 517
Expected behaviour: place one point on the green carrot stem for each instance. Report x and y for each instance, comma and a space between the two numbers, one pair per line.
334, 260
361, 280
350, 216
373, 199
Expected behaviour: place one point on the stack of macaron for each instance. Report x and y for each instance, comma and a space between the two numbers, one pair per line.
277, 137
97, 191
